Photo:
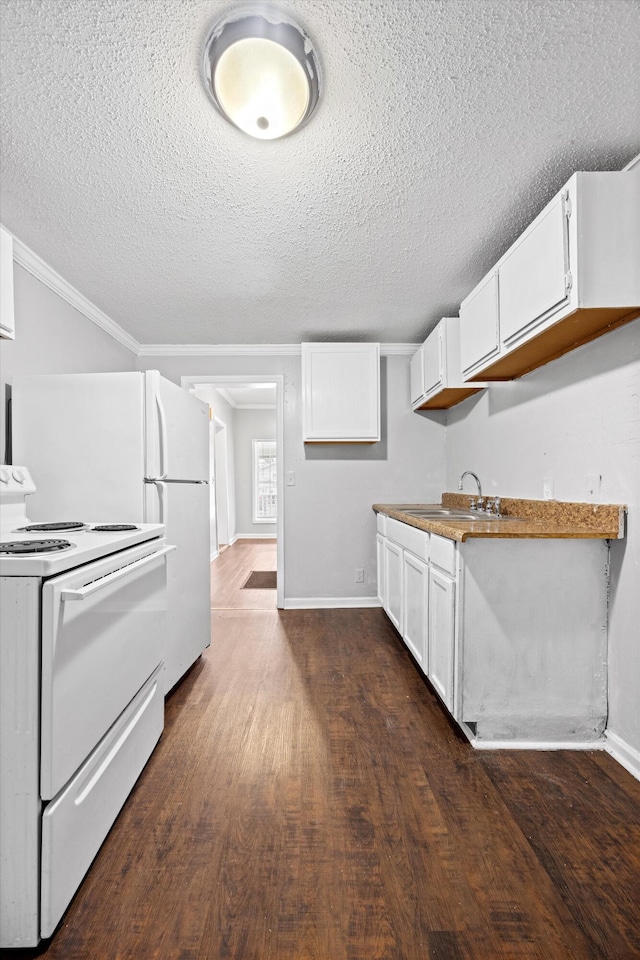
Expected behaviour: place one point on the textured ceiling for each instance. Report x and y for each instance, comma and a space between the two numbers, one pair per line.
444, 126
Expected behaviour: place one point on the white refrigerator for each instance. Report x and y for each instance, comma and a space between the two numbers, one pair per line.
126, 448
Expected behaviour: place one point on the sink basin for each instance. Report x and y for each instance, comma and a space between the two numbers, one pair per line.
445, 513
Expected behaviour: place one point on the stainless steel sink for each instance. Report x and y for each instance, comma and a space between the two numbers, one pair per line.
445, 513
434, 512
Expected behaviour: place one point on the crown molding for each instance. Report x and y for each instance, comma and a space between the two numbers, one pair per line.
252, 349
219, 349
633, 163
37, 267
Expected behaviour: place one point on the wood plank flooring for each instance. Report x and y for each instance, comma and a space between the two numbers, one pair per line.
230, 570
310, 799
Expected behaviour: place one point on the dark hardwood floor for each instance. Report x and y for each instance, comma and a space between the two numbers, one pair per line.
310, 800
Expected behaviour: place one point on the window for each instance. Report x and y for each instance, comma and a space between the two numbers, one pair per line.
265, 486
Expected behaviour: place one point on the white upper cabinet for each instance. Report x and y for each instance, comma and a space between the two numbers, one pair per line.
341, 392
416, 372
534, 276
436, 369
479, 329
573, 275
434, 360
7, 316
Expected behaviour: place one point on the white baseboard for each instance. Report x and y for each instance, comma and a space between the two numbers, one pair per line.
214, 556
329, 603
625, 754
538, 745
254, 536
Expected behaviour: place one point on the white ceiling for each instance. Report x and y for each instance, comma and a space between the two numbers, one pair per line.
444, 126
243, 396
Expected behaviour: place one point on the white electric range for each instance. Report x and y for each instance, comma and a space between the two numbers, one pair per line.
82, 645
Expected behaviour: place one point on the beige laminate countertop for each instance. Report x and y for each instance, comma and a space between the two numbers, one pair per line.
524, 519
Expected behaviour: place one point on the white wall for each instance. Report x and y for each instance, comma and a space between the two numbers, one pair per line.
250, 425
53, 337
576, 416
329, 526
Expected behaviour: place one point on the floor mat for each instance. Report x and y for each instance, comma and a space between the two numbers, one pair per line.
260, 580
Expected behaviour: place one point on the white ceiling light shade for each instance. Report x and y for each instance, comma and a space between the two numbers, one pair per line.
262, 75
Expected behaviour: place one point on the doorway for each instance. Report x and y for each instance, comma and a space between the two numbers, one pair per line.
223, 499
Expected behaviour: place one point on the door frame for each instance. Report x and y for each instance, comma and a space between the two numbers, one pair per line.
220, 446
189, 382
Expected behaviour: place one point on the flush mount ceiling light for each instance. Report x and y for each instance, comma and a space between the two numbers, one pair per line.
262, 74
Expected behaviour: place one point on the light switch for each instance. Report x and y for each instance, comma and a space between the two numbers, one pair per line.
291, 478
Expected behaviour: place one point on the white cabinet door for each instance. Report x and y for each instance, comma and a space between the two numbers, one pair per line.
441, 634
393, 570
442, 380
7, 316
479, 324
416, 373
533, 277
341, 392
382, 593
416, 607
434, 359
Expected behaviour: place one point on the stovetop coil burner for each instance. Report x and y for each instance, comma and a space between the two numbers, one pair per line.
14, 548
69, 525
115, 527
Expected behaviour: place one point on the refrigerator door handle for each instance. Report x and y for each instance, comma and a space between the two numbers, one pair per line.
171, 480
162, 498
162, 422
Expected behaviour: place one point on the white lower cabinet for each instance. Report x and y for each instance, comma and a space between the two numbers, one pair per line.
393, 583
382, 592
512, 633
442, 591
415, 607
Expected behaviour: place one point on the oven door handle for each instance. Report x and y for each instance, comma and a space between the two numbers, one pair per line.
110, 578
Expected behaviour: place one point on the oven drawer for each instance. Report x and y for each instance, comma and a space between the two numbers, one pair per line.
77, 821
103, 635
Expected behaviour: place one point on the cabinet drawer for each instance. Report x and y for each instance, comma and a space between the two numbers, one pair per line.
78, 819
443, 554
410, 538
381, 523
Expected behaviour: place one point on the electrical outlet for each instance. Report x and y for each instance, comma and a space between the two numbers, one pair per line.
359, 574
547, 488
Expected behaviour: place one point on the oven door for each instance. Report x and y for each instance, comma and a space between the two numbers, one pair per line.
103, 635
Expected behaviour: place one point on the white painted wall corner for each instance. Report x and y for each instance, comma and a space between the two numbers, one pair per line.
621, 751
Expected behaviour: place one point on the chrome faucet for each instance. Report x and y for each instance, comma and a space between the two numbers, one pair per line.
480, 504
